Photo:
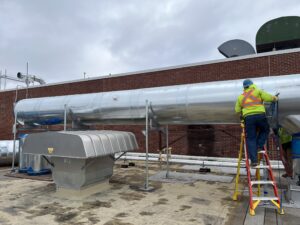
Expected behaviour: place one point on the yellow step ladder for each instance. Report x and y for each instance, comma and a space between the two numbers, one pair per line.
255, 197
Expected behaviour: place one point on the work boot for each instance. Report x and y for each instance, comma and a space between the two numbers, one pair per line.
259, 149
286, 175
253, 164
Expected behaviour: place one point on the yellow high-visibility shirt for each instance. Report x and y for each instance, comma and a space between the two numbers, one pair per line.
251, 101
284, 136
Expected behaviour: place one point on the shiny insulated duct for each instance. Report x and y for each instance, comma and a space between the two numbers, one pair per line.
201, 103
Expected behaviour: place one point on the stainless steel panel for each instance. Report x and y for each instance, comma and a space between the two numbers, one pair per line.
203, 103
77, 174
23, 158
37, 163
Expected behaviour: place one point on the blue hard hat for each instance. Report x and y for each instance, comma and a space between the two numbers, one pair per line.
247, 83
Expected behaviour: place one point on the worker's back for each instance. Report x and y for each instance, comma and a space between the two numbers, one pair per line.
251, 101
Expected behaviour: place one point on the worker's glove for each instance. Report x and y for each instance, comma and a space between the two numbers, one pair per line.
241, 118
275, 98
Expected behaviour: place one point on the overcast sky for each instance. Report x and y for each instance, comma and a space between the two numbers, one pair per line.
62, 39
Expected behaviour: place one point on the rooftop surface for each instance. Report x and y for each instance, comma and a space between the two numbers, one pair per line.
189, 198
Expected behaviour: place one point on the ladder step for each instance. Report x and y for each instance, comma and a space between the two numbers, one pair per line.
262, 182
264, 198
261, 152
256, 167
261, 167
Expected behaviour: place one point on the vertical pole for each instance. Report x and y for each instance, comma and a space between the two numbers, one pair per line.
0, 79
65, 117
147, 145
14, 143
5, 79
168, 150
27, 80
16, 97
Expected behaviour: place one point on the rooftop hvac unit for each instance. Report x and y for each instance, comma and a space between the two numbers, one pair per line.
236, 47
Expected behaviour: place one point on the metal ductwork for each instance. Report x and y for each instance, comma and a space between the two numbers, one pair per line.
30, 79
80, 158
202, 103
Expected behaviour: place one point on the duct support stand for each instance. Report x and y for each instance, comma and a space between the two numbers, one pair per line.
146, 185
65, 117
155, 126
168, 152
14, 143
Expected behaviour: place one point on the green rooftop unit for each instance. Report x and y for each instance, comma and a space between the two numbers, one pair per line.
278, 34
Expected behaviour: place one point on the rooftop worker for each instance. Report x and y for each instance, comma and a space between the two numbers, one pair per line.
286, 144
251, 109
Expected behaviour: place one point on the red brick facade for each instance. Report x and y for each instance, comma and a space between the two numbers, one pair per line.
208, 140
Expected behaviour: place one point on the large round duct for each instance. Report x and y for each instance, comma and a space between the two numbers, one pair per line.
202, 103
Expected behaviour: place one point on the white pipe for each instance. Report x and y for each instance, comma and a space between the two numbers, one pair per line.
188, 157
219, 162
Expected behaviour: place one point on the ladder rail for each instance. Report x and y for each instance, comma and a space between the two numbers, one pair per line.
272, 177
257, 174
237, 178
251, 203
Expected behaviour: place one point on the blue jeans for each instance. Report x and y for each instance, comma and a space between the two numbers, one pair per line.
254, 139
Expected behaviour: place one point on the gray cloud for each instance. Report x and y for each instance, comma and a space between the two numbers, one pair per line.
61, 39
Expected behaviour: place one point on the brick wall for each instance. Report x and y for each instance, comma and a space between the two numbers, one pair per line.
210, 140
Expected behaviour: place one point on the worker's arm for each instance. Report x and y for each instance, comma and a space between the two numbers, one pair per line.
266, 97
238, 107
